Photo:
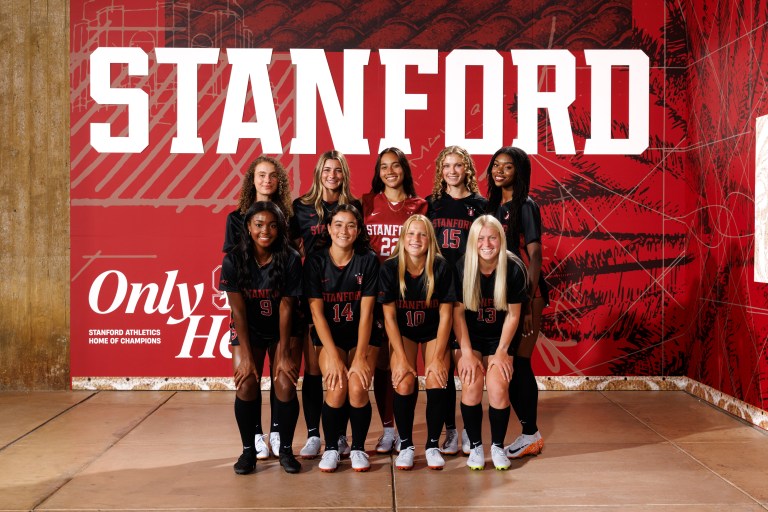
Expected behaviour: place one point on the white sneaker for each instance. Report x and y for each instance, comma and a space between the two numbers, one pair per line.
397, 443
344, 447
525, 445
386, 441
451, 442
359, 460
499, 458
330, 461
311, 448
465, 446
434, 459
405, 459
274, 442
262, 450
476, 460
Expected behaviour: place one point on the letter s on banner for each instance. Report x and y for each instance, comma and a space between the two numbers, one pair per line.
136, 100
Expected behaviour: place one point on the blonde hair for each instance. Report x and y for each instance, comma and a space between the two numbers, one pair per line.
433, 253
470, 173
471, 284
315, 194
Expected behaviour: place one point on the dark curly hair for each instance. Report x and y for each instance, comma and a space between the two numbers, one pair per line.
282, 197
362, 243
520, 185
245, 251
377, 185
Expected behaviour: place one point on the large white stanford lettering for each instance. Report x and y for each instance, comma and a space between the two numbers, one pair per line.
313, 74
249, 66
493, 100
136, 100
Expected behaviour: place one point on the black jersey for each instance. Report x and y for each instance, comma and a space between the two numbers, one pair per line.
452, 219
341, 289
484, 325
308, 226
234, 230
528, 229
417, 319
262, 297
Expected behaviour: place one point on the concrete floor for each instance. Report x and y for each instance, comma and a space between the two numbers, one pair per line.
164, 450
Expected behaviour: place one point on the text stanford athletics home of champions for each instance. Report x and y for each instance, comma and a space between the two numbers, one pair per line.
249, 69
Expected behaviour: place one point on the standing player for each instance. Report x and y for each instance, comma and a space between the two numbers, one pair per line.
417, 292
330, 187
485, 322
341, 284
453, 205
262, 279
390, 202
265, 180
509, 178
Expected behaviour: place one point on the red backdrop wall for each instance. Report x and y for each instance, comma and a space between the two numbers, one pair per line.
650, 276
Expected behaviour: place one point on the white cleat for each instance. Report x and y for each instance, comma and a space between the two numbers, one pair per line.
387, 441
434, 459
476, 460
525, 445
499, 458
274, 443
311, 448
262, 450
344, 448
451, 442
330, 461
465, 447
359, 460
404, 461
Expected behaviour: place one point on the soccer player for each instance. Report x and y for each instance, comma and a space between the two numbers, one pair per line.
453, 205
262, 278
391, 201
330, 187
417, 292
486, 319
509, 178
265, 180
341, 284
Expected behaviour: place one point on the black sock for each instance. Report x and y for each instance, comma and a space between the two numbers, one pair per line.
404, 409
344, 419
499, 419
287, 417
360, 418
472, 416
312, 400
382, 391
435, 415
524, 394
332, 419
450, 399
248, 416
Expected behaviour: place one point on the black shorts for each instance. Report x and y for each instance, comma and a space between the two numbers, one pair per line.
298, 328
261, 343
347, 345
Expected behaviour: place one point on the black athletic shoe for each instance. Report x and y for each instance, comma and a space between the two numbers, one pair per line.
246, 463
289, 462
